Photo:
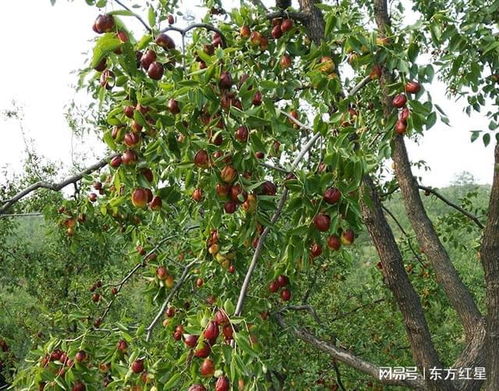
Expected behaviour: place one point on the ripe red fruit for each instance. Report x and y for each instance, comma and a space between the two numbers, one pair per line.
199, 282
286, 25
155, 71
231, 269
228, 174
128, 111
170, 312
156, 203
147, 59
274, 286
177, 335
95, 297
222, 189
207, 368
404, 114
161, 273
235, 191
147, 173
286, 294
191, 340
242, 134
131, 139
334, 242
80, 356
197, 387
129, 157
225, 82
222, 384
220, 317
259, 155
276, 32
137, 366
104, 24
322, 222
230, 207
201, 159
197, 195
257, 99
285, 61
347, 237
412, 87
171, 19
399, 101
211, 331
139, 197
282, 280
165, 41
228, 332
400, 126
209, 49
245, 32
256, 38
203, 351
268, 188
173, 106
92, 197
101, 65
122, 346
264, 43
79, 386
122, 36
332, 195
315, 250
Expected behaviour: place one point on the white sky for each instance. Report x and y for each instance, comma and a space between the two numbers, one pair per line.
42, 45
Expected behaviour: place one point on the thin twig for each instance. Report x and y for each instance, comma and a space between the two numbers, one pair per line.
453, 205
34, 214
135, 15
405, 234
345, 314
305, 307
206, 26
174, 290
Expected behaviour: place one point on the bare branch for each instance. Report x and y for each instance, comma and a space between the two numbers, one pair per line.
345, 314
304, 307
135, 15
206, 26
174, 290
453, 205
299, 16
345, 356
13, 215
54, 186
364, 82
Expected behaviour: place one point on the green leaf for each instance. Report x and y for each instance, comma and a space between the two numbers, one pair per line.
431, 120
151, 16
104, 45
475, 134
486, 139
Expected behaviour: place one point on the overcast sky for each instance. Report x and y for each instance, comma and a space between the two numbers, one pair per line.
42, 45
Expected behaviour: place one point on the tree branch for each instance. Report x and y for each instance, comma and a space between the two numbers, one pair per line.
345, 356
135, 15
345, 314
453, 205
174, 290
54, 186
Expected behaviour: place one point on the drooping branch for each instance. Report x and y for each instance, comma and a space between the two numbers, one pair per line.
345, 356
54, 186
174, 290
489, 254
452, 205
299, 16
457, 293
206, 26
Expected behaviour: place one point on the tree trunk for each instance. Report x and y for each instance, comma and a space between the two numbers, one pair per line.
489, 253
393, 269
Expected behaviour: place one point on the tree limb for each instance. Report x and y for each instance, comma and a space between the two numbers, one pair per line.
345, 356
54, 186
453, 205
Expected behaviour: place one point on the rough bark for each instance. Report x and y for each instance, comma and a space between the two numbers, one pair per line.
489, 253
457, 293
314, 22
393, 269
